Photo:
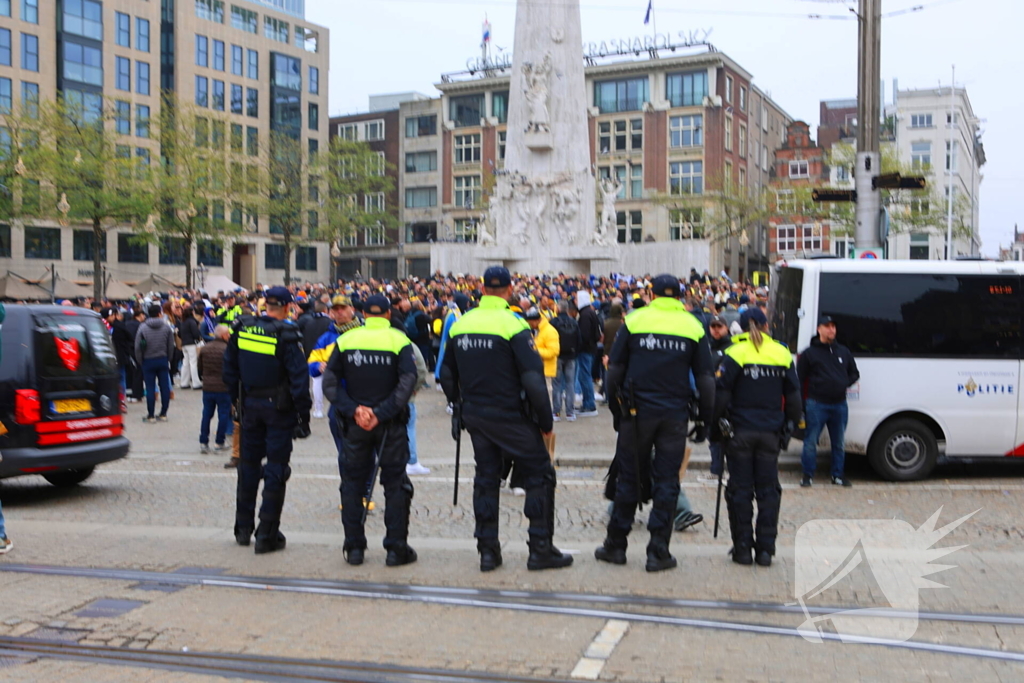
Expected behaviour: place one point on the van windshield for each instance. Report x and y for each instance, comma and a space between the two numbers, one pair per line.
788, 286
74, 346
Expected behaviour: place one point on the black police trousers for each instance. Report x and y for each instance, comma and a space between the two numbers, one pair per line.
390, 443
520, 441
266, 435
668, 438
753, 459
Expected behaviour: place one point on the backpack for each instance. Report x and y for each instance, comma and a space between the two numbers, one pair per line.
411, 330
569, 338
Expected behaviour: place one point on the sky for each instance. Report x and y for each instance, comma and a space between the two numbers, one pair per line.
383, 46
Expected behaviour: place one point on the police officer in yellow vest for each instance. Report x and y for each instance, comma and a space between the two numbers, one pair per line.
494, 377
369, 379
758, 391
266, 375
227, 313
649, 370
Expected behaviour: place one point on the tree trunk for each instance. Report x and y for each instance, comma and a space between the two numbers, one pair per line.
287, 257
98, 235
188, 261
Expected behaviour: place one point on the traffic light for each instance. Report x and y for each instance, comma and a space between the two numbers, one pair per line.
894, 181
829, 195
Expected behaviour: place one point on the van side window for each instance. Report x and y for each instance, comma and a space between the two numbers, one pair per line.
925, 315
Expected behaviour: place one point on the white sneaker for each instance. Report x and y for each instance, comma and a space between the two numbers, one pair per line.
416, 469
448, 409
516, 491
600, 397
555, 418
317, 415
6, 545
578, 399
588, 413
570, 418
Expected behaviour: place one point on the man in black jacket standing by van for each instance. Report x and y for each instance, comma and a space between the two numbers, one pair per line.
826, 369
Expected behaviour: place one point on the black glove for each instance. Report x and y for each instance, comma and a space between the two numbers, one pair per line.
456, 422
699, 434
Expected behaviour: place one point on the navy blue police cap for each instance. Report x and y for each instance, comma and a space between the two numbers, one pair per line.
755, 314
279, 296
377, 304
666, 285
496, 277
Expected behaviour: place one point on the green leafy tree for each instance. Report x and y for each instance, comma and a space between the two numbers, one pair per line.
96, 178
358, 184
197, 176
21, 182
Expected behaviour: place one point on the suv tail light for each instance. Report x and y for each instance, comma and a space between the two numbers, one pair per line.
26, 406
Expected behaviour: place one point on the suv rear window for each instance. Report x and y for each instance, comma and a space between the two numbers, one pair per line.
87, 347
787, 288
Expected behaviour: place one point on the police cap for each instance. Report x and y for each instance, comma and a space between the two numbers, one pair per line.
755, 314
278, 296
497, 277
377, 304
666, 285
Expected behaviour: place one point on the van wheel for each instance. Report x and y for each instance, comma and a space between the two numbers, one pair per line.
903, 450
69, 478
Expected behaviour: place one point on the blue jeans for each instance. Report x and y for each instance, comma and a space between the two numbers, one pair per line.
818, 416
564, 385
221, 402
154, 369
585, 381
411, 431
3, 527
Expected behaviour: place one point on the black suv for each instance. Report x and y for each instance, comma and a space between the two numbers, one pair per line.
60, 394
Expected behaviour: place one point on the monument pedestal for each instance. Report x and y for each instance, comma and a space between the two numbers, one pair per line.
532, 259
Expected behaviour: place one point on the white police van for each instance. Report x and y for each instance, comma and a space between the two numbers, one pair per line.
938, 345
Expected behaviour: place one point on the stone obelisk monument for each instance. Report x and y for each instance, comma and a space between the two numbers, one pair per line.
543, 209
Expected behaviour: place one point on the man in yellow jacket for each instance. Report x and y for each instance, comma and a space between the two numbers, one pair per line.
545, 338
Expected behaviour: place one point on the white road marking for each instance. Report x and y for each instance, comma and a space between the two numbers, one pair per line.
592, 663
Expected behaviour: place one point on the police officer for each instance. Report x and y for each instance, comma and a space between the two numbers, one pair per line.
369, 379
494, 377
230, 311
649, 369
756, 375
267, 377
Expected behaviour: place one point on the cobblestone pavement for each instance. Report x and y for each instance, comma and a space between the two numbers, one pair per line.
166, 508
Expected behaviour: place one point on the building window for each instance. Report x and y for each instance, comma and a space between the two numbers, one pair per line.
218, 95
274, 256
142, 156
951, 158
812, 237
373, 202
314, 80
620, 136
467, 110
123, 117
202, 51
254, 64
30, 11
123, 73
799, 169
6, 96
786, 239
83, 243
29, 52
142, 78
209, 253
88, 105
313, 116
42, 243
211, 10
623, 95
686, 224
305, 258
630, 226
921, 155
785, 202
842, 174
373, 131
636, 181
465, 230
236, 138
605, 172
130, 249
499, 106
728, 133
728, 89
5, 11
373, 236
313, 223
252, 141
83, 64
236, 99
686, 177
919, 246
920, 120
420, 126
348, 131
218, 55
122, 29
743, 142
275, 29
5, 47
686, 131
141, 34
743, 98
5, 235
286, 71
420, 197
764, 157
202, 91
83, 18
502, 143
202, 131
237, 61
252, 102
467, 149
687, 89
313, 148
467, 191
30, 99
420, 162
244, 20
727, 176
142, 120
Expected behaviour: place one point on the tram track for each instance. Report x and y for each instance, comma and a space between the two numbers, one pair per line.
585, 605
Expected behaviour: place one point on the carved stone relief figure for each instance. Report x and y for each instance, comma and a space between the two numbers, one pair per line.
610, 188
536, 89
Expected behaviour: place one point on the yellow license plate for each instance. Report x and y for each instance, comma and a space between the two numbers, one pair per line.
72, 405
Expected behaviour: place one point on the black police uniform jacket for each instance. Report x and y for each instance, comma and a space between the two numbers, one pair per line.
264, 358
492, 366
758, 388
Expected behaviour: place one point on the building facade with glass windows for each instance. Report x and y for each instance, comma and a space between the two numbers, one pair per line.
257, 65
669, 127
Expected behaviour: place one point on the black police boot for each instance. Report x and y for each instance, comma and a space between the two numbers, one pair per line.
763, 558
490, 556
614, 549
243, 534
544, 555
402, 554
658, 557
354, 553
269, 541
742, 555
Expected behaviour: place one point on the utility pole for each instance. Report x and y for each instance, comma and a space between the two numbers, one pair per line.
949, 169
869, 77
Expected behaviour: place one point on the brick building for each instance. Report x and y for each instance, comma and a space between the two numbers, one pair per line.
800, 164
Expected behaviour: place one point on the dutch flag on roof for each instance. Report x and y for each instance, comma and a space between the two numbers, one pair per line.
487, 31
